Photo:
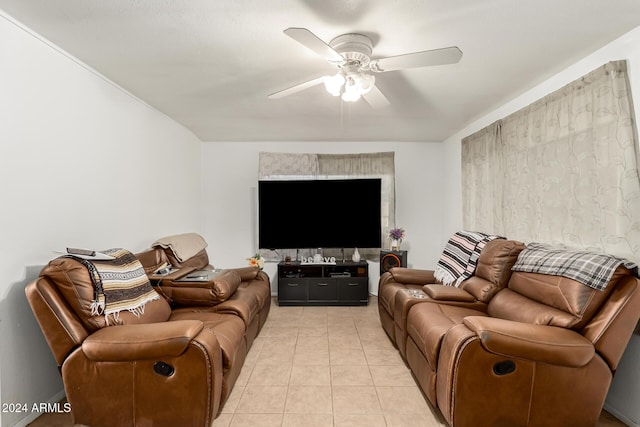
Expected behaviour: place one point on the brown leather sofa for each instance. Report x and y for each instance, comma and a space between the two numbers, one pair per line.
400, 288
541, 352
174, 364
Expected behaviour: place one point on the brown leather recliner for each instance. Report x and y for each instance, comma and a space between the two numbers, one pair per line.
401, 288
167, 366
245, 292
543, 353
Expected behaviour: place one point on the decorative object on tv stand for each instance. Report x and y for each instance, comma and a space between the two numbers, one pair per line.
396, 235
256, 261
318, 259
356, 256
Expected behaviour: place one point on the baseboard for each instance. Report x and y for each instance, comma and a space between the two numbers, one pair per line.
621, 417
32, 416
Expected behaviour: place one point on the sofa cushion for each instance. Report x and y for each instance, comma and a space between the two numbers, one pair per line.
511, 305
198, 261
152, 260
551, 300
428, 323
229, 330
243, 303
493, 269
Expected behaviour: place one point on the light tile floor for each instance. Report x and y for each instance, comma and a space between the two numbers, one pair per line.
324, 366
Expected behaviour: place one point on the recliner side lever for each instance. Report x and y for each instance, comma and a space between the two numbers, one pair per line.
164, 369
505, 367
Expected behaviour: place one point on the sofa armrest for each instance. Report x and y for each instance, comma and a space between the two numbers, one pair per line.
439, 292
541, 343
145, 341
412, 276
246, 273
203, 289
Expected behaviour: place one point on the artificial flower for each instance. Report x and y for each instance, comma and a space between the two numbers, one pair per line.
396, 233
256, 261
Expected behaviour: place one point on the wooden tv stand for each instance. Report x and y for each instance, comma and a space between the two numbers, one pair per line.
342, 283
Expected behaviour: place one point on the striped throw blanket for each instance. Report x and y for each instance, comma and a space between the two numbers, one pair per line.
119, 284
460, 256
592, 269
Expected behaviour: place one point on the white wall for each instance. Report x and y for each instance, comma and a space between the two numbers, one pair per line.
82, 163
230, 176
625, 392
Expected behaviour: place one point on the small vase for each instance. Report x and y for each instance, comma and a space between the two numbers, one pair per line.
395, 244
356, 256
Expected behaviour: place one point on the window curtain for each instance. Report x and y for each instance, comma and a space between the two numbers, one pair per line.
563, 170
336, 166
481, 180
287, 166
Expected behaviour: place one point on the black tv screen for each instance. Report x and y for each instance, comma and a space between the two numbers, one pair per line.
339, 213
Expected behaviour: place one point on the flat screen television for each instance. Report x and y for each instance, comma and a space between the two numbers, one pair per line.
333, 213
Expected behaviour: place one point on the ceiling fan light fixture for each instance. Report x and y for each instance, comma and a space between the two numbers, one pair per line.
351, 90
351, 85
333, 84
365, 82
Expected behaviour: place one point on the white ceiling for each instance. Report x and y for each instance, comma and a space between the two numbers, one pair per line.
210, 64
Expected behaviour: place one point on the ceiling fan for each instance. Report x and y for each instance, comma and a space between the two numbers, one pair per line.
351, 54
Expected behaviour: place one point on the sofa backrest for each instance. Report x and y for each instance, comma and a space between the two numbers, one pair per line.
611, 327
152, 259
544, 299
198, 261
157, 257
493, 269
73, 283
62, 329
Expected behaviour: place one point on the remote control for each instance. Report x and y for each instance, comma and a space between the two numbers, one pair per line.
77, 251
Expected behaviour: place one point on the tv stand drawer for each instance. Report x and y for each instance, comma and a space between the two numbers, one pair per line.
324, 289
292, 289
354, 289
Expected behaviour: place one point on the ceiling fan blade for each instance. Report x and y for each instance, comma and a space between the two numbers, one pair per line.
375, 98
311, 41
296, 88
427, 58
